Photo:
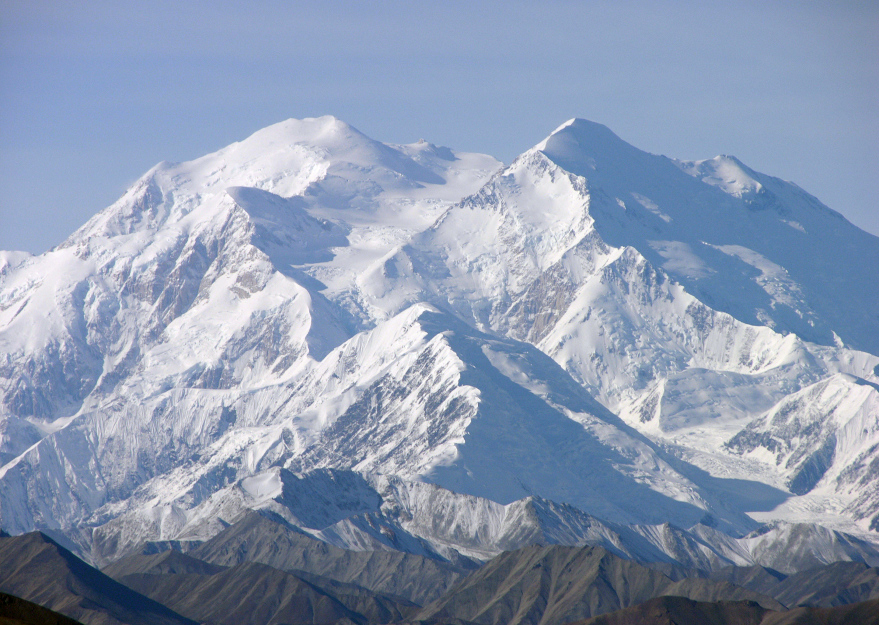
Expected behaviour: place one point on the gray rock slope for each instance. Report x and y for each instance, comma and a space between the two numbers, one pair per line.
554, 585
35, 568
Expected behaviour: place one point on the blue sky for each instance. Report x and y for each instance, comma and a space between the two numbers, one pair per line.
95, 93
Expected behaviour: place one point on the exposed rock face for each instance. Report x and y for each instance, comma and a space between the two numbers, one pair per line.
546, 585
679, 610
256, 594
561, 584
662, 610
260, 540
37, 569
17, 611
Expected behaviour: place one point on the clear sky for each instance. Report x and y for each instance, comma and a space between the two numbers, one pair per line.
96, 92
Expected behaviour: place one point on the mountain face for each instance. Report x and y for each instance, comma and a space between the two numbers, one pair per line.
37, 569
231, 581
255, 594
405, 348
17, 611
664, 610
563, 584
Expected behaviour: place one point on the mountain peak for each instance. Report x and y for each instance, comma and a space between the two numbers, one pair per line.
579, 124
576, 144
577, 133
327, 134
311, 299
312, 129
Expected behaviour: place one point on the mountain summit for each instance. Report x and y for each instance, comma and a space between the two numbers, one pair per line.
751, 245
436, 353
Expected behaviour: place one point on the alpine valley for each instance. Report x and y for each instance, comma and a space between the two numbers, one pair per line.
414, 359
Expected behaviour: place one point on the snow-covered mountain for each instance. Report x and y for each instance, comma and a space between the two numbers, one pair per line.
592, 345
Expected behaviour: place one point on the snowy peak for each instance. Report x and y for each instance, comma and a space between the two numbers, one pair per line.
309, 299
325, 161
326, 131
336, 141
745, 243
577, 143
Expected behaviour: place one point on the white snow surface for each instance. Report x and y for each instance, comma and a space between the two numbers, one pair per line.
590, 344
